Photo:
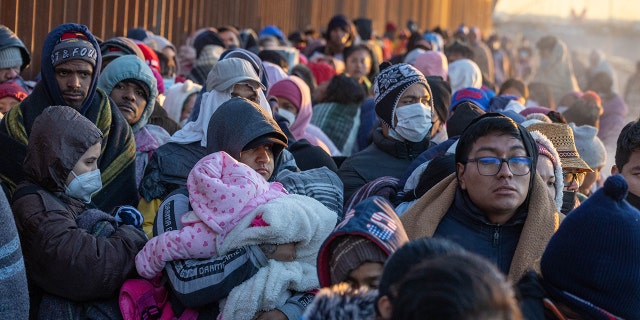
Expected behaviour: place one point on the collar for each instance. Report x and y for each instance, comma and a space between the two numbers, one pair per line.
465, 209
400, 149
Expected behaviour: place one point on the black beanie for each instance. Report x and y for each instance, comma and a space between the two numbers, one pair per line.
465, 112
390, 84
206, 38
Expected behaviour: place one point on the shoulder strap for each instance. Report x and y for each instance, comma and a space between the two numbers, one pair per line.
35, 189
23, 191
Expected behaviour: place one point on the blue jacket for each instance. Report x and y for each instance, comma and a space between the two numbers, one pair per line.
466, 225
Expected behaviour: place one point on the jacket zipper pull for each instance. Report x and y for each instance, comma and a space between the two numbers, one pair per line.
496, 236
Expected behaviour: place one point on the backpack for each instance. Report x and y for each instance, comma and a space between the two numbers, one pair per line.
149, 300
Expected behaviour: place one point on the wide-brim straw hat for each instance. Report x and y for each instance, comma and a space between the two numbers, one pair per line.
561, 137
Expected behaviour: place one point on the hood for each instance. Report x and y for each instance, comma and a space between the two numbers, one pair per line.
9, 39
59, 137
253, 58
236, 123
177, 95
130, 67
373, 219
48, 75
119, 46
464, 73
299, 125
557, 168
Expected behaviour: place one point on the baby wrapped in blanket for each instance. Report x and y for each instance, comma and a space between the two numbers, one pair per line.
234, 206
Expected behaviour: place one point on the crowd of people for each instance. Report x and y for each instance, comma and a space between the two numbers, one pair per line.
420, 174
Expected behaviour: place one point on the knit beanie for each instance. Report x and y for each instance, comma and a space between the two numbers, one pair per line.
590, 147
350, 253
74, 46
207, 38
223, 190
150, 56
474, 95
271, 30
322, 71
464, 114
591, 262
10, 57
389, 86
139, 34
120, 46
13, 90
287, 89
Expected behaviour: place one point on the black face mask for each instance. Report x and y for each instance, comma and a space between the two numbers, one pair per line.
568, 201
633, 200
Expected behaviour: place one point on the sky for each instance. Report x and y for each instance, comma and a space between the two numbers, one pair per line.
595, 9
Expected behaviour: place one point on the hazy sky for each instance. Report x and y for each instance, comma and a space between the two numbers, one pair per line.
596, 9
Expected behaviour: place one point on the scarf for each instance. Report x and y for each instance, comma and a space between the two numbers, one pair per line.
117, 156
423, 218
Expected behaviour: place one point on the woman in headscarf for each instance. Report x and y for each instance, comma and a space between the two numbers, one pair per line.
294, 104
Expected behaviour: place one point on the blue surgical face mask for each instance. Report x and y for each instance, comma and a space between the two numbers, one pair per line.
168, 82
83, 186
287, 115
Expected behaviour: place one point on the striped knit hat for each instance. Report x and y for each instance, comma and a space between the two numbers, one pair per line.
389, 86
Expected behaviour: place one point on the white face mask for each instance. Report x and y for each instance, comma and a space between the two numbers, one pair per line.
84, 186
287, 115
414, 121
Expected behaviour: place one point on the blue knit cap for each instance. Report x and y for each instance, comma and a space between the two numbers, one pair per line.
474, 95
592, 263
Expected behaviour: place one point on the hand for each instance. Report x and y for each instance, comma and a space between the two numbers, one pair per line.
274, 314
281, 252
130, 216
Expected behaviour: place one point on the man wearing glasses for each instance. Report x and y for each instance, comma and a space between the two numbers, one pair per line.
495, 204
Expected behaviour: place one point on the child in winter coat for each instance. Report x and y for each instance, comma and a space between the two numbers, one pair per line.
233, 206
221, 192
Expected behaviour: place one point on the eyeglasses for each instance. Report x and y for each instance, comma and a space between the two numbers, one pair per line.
570, 177
490, 166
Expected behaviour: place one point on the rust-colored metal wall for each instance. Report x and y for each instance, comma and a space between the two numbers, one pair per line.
175, 19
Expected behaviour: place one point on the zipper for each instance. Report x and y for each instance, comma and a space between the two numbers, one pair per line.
496, 236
